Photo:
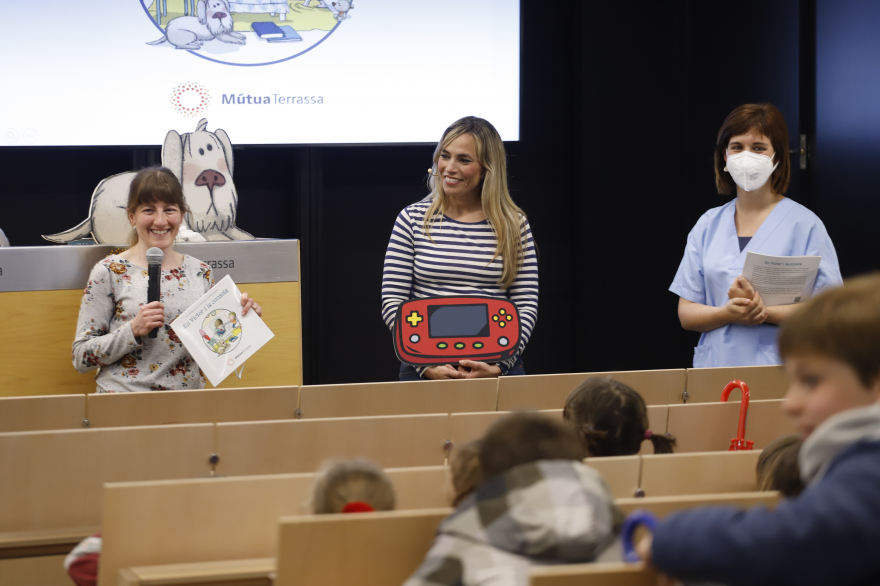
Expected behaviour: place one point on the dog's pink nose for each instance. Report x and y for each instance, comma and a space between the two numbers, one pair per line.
219, 15
211, 179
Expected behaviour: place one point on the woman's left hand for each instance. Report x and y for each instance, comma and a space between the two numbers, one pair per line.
247, 303
474, 369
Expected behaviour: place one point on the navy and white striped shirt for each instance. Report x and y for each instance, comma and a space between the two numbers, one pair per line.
457, 262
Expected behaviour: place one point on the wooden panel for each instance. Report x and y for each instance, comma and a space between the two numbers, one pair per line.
620, 473
42, 413
277, 447
699, 473
549, 391
49, 370
367, 549
399, 398
704, 385
709, 427
664, 505
608, 574
227, 572
53, 479
203, 520
38, 571
149, 523
195, 406
424, 487
467, 427
43, 542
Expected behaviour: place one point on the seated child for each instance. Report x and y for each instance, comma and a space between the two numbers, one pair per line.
354, 486
830, 534
778, 468
465, 471
537, 504
611, 419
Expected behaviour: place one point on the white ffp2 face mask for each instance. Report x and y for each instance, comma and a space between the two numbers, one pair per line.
750, 170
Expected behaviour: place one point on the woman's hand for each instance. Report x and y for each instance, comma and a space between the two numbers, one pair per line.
247, 303
445, 372
474, 369
741, 288
149, 316
748, 312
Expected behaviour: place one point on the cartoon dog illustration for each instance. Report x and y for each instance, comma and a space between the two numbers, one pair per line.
213, 21
342, 7
203, 163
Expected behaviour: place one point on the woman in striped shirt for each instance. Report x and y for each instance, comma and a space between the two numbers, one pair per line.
466, 238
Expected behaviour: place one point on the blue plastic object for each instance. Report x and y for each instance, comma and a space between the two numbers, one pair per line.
633, 520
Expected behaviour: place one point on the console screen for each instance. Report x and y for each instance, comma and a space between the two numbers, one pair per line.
458, 321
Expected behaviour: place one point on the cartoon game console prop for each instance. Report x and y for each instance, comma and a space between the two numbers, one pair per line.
202, 161
443, 330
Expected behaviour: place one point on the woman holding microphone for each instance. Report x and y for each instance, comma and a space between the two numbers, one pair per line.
114, 319
751, 156
466, 238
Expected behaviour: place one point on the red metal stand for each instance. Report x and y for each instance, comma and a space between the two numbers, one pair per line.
739, 442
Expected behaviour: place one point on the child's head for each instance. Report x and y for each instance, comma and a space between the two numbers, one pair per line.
611, 419
218, 323
521, 438
778, 467
467, 474
353, 486
831, 348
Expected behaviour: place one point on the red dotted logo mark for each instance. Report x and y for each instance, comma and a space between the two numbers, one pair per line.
190, 99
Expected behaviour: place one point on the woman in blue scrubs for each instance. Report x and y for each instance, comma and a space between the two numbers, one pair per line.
751, 156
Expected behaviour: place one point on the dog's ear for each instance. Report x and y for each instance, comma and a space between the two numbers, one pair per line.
227, 147
172, 154
202, 11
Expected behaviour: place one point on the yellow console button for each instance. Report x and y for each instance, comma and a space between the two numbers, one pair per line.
508, 318
494, 318
459, 345
501, 311
502, 324
442, 345
478, 345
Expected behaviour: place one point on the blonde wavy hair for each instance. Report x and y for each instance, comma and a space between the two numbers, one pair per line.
504, 216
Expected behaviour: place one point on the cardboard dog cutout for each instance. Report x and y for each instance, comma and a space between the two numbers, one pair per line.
433, 331
203, 162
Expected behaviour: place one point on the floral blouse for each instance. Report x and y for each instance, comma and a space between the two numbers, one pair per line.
104, 340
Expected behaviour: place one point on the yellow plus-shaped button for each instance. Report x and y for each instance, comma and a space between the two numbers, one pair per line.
414, 318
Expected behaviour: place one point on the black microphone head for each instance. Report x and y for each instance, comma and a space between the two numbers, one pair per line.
155, 256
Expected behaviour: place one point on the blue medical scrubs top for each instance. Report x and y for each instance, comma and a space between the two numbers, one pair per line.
712, 260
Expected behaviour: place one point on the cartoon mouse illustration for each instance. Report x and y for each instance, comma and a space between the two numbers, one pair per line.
213, 21
203, 163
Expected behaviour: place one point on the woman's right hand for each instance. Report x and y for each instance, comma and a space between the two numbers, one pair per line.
149, 316
748, 312
447, 371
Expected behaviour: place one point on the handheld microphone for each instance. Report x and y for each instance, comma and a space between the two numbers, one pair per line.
154, 274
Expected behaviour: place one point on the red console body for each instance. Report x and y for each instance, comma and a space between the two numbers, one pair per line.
443, 330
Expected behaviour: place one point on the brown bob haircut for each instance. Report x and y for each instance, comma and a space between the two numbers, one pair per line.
778, 467
152, 185
521, 438
841, 323
764, 119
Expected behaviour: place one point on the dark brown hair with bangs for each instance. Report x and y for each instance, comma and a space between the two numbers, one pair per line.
152, 185
841, 323
764, 119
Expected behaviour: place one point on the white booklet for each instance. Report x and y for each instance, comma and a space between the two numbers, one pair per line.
217, 335
781, 280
